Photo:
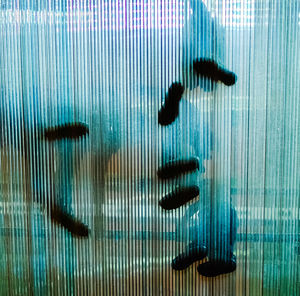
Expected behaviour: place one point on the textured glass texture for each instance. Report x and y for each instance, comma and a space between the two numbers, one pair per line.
103, 184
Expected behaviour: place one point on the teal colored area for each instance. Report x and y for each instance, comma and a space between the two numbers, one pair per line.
108, 65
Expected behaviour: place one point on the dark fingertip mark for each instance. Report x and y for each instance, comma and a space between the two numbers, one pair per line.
179, 197
227, 77
210, 69
169, 111
175, 168
212, 269
75, 227
66, 131
194, 253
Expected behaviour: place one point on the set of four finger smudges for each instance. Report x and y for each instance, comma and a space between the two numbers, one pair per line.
206, 68
182, 194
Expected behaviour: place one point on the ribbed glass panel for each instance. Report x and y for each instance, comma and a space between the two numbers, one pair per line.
149, 147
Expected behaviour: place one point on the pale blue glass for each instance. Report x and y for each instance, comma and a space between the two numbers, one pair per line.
108, 64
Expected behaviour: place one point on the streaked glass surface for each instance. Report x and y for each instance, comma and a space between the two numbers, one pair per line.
108, 64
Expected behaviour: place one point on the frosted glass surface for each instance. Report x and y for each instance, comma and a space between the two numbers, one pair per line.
108, 66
